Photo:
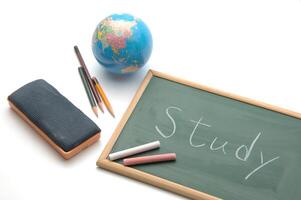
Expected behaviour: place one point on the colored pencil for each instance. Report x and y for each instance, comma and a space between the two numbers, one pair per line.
103, 96
88, 90
82, 63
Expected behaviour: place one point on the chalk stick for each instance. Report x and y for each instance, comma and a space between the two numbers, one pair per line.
149, 159
134, 150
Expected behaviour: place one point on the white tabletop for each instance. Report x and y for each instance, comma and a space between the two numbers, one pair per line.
251, 48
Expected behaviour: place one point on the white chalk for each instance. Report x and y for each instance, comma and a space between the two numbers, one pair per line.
134, 150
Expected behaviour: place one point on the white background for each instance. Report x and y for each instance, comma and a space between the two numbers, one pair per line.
251, 48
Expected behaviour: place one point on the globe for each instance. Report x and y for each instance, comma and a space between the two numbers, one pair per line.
122, 43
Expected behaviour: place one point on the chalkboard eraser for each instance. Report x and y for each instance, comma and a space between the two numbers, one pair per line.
67, 129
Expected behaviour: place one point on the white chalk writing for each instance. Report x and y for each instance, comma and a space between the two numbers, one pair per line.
262, 164
172, 121
247, 150
220, 147
242, 153
193, 132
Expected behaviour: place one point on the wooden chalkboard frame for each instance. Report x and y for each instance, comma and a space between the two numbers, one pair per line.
105, 163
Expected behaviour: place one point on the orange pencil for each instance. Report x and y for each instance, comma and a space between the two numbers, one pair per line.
103, 96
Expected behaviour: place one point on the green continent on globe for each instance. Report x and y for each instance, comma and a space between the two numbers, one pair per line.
122, 43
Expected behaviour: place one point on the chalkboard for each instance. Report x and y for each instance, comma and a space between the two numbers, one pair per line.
228, 147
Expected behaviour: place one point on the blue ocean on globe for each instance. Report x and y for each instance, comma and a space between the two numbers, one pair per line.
122, 43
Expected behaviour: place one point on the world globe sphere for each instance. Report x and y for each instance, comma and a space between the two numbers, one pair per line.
122, 43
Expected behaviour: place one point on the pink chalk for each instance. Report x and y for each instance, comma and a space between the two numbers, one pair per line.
149, 159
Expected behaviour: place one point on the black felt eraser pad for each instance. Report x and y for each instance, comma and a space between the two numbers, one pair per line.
54, 117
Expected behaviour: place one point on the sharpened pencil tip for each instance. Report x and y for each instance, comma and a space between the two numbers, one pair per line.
95, 111
111, 111
101, 107
113, 115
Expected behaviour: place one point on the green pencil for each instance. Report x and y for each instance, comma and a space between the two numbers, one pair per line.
88, 90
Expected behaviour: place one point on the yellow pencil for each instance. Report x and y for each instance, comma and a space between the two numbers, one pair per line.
103, 96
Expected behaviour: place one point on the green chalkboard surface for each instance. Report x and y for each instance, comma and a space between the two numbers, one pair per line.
227, 146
